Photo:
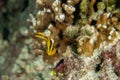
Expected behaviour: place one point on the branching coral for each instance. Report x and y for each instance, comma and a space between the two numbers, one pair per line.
58, 19
54, 19
86, 26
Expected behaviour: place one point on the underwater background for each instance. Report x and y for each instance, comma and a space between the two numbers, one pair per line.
59, 39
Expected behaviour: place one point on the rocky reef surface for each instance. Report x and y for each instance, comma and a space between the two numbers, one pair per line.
60, 40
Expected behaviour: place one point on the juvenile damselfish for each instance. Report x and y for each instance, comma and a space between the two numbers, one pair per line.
50, 45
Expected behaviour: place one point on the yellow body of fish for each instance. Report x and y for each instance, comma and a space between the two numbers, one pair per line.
50, 45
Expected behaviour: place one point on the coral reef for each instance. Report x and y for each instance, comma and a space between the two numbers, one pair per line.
65, 40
